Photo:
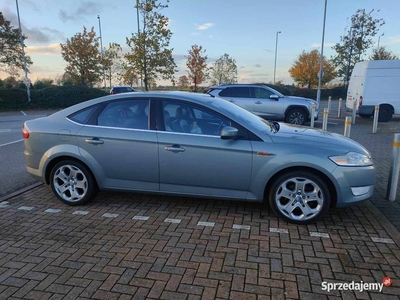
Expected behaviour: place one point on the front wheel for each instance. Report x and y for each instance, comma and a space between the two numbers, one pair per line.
72, 182
299, 197
296, 116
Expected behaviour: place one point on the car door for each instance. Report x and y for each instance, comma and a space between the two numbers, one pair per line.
240, 95
266, 107
199, 162
120, 147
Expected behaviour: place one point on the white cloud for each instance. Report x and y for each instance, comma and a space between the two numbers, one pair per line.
195, 33
393, 40
52, 49
318, 45
205, 26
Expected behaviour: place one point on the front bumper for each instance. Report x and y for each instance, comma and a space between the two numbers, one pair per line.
354, 184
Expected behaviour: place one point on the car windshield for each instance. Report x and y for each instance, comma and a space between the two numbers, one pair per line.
243, 115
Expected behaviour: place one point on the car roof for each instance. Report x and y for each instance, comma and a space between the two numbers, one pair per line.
176, 95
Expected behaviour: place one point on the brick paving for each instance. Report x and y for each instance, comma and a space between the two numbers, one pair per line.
135, 246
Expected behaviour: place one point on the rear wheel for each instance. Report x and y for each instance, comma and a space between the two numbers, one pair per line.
385, 113
72, 183
296, 116
299, 197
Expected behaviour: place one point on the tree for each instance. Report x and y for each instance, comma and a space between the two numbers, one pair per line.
110, 59
183, 82
150, 54
224, 70
382, 53
305, 70
359, 38
42, 83
197, 65
128, 75
82, 54
11, 60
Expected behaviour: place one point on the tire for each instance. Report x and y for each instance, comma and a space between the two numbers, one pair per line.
385, 113
365, 116
296, 116
299, 197
72, 182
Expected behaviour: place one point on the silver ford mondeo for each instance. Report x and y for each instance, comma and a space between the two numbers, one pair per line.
195, 145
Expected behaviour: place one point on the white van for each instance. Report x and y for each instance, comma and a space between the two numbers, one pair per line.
375, 82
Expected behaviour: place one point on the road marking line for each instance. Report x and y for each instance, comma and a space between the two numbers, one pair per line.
6, 144
5, 130
244, 227
26, 208
175, 221
53, 210
382, 240
23, 113
319, 234
80, 212
278, 230
209, 224
107, 215
141, 218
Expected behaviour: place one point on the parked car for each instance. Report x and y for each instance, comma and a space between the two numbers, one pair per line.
267, 102
121, 89
182, 143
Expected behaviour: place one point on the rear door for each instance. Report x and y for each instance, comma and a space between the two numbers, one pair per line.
240, 95
120, 147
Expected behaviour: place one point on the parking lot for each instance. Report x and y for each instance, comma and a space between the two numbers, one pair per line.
136, 246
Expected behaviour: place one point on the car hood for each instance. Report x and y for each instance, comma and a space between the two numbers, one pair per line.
316, 138
294, 98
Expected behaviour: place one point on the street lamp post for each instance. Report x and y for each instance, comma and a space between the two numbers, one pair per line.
320, 73
379, 40
101, 45
276, 52
26, 81
138, 30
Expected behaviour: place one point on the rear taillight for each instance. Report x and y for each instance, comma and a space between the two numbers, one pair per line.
25, 132
361, 99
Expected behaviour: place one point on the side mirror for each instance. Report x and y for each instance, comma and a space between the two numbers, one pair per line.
274, 97
229, 132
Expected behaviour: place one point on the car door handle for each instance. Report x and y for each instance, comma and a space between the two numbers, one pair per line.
94, 141
258, 102
174, 148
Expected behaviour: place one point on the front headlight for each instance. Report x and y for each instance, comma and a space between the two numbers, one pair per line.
352, 159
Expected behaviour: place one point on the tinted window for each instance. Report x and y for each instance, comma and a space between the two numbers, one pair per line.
188, 118
261, 93
226, 92
83, 116
125, 114
240, 92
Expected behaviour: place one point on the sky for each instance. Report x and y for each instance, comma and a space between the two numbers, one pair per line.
246, 30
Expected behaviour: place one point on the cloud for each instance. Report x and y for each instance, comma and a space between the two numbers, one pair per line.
393, 40
84, 9
210, 36
195, 33
34, 34
257, 66
52, 49
269, 50
205, 26
242, 67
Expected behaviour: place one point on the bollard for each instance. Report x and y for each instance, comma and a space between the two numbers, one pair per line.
376, 117
353, 115
312, 116
394, 169
347, 126
339, 108
325, 119
329, 104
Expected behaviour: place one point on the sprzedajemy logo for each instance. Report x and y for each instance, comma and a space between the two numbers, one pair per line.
352, 286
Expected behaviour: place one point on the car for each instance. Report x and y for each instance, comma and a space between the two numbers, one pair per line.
267, 102
121, 89
189, 144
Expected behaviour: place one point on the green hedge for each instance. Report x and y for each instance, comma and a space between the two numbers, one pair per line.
47, 98
335, 93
